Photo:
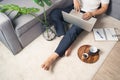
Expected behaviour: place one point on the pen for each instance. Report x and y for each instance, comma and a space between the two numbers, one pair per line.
99, 34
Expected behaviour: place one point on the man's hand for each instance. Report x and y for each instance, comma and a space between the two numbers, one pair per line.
87, 15
76, 5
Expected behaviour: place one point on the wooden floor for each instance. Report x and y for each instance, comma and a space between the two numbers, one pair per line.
110, 70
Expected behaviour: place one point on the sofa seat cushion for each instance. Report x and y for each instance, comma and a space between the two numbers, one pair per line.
24, 23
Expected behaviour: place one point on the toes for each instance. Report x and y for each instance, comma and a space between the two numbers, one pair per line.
45, 67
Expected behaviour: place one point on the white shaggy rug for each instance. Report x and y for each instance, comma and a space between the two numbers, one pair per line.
27, 64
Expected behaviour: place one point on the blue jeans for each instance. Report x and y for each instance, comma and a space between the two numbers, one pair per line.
69, 35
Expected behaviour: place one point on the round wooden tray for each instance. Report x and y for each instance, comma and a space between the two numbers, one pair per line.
91, 58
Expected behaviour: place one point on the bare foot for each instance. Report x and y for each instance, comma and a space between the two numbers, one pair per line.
46, 65
68, 52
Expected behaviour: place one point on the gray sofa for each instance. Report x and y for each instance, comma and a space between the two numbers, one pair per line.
26, 28
18, 33
113, 10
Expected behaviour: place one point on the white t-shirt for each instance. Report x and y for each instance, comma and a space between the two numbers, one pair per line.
91, 5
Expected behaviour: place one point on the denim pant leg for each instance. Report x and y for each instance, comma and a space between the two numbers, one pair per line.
57, 19
68, 39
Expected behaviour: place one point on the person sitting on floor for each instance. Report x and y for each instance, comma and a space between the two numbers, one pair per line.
91, 8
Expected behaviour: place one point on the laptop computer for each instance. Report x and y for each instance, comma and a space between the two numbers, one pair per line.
76, 19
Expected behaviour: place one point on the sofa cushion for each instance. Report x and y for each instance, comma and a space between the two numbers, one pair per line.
113, 9
24, 23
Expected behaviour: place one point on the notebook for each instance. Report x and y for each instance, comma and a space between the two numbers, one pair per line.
102, 34
76, 19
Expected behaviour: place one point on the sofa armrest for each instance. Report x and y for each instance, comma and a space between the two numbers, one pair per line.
7, 34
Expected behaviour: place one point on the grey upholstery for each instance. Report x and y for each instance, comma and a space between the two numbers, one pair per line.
24, 29
114, 9
7, 34
18, 33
